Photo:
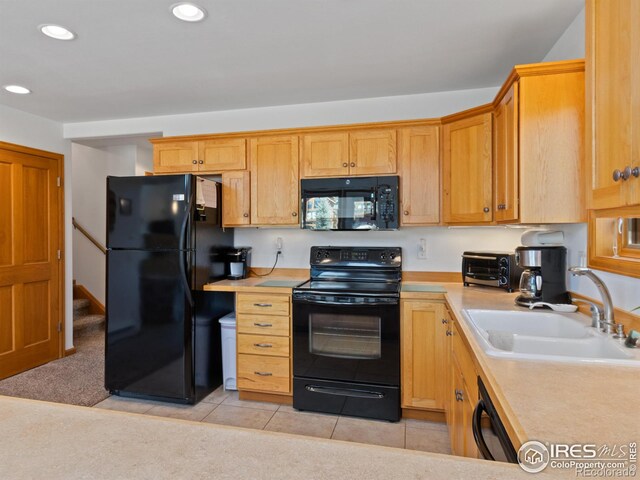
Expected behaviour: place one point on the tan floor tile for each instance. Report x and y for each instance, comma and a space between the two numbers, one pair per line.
370, 431
194, 413
217, 396
428, 440
122, 404
413, 423
239, 416
234, 401
302, 424
290, 409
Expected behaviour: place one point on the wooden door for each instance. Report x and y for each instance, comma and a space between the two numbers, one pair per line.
175, 157
325, 155
506, 159
610, 48
30, 271
373, 152
419, 169
236, 198
275, 194
423, 351
466, 170
222, 155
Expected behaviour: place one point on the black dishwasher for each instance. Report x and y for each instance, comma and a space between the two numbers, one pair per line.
493, 442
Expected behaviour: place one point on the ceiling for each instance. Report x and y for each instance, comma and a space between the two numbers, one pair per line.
132, 58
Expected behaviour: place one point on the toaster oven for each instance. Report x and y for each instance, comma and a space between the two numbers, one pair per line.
491, 269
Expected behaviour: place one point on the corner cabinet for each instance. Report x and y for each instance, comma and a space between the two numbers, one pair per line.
419, 170
539, 145
424, 349
467, 167
275, 193
613, 99
207, 155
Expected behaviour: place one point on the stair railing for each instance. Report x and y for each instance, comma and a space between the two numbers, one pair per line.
90, 237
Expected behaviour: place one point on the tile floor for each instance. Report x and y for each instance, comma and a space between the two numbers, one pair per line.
225, 408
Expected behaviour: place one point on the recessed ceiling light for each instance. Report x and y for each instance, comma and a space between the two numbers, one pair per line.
188, 12
56, 31
17, 89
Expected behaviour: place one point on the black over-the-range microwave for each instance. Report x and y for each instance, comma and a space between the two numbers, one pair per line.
353, 203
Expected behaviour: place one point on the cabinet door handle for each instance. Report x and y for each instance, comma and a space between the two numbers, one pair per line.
201, 162
345, 164
262, 305
635, 172
406, 212
262, 325
353, 164
448, 333
245, 215
486, 209
294, 214
263, 345
502, 206
444, 321
626, 173
263, 374
195, 162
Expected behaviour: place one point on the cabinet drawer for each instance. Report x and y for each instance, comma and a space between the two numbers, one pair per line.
263, 345
262, 304
263, 324
258, 372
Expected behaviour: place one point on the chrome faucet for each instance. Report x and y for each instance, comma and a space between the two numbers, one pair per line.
608, 320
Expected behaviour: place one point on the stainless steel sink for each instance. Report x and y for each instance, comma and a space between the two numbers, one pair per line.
545, 335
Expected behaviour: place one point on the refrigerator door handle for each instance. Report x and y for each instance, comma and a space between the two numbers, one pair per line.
184, 261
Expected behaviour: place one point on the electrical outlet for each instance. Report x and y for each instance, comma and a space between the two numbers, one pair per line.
422, 249
279, 244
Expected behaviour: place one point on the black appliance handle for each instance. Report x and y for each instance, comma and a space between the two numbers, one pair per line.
344, 392
184, 261
476, 426
393, 301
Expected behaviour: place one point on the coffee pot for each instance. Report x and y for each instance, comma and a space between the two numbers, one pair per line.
544, 276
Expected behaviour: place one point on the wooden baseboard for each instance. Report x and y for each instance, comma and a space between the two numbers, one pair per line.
265, 397
95, 307
428, 415
69, 351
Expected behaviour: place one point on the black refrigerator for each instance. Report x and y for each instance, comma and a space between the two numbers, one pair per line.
162, 334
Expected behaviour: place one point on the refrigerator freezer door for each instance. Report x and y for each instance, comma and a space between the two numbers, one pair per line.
149, 213
149, 324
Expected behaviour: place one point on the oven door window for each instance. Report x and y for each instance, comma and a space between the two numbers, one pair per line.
342, 210
345, 336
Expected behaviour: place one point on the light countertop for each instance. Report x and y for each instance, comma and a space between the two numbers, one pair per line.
252, 284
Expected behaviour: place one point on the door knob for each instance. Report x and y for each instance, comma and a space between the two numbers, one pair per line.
245, 215
195, 162
294, 214
345, 164
353, 164
201, 162
485, 209
406, 212
635, 172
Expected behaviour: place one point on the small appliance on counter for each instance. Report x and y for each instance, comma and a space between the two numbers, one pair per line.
544, 275
491, 269
239, 261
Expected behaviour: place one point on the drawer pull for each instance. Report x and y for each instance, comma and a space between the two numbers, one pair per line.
262, 325
262, 305
263, 345
264, 374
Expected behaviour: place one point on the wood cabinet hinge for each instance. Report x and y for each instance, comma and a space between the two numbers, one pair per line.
59, 327
59, 254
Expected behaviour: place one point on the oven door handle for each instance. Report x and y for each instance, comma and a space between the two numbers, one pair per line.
476, 425
344, 392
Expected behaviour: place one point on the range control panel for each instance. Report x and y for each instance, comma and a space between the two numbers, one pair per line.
360, 256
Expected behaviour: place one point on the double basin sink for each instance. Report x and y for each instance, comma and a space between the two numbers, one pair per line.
544, 335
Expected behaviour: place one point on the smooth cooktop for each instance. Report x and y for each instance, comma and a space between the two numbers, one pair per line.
280, 283
350, 287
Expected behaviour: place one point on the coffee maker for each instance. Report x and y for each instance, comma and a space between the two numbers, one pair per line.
238, 261
544, 275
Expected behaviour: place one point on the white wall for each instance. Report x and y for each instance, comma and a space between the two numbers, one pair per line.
571, 43
32, 131
91, 166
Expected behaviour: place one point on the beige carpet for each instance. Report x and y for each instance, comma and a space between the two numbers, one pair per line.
76, 380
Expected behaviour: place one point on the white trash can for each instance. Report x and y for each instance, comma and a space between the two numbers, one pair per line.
228, 334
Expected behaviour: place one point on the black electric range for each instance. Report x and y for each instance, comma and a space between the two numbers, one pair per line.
346, 333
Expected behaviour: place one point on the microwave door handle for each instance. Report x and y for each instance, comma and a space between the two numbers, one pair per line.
476, 426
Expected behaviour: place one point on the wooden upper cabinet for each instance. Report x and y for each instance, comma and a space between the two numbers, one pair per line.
419, 169
613, 93
466, 170
214, 155
236, 188
175, 157
325, 155
275, 193
222, 155
505, 156
372, 152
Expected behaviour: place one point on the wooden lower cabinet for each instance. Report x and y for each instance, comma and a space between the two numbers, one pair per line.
264, 342
424, 343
